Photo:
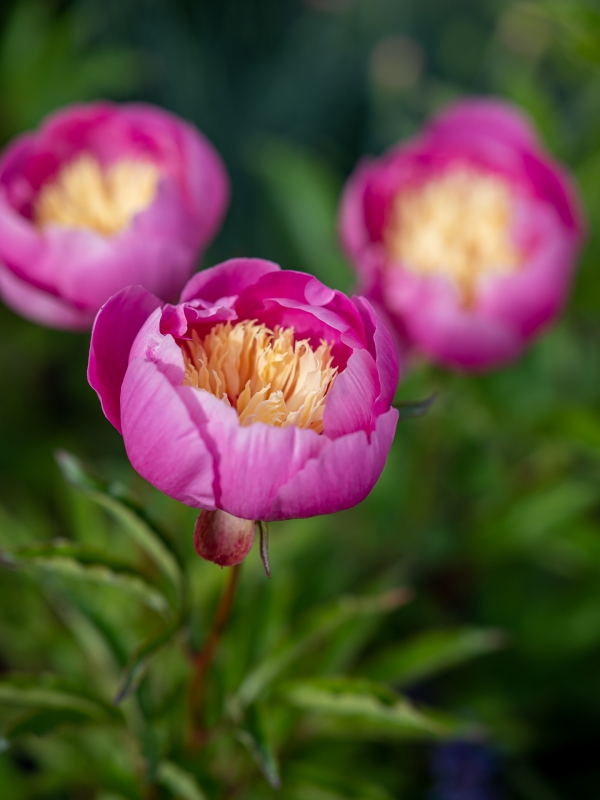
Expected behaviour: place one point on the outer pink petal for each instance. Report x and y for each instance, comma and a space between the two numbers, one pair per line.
341, 476
229, 278
434, 320
89, 268
40, 306
385, 353
115, 330
485, 117
353, 396
251, 463
163, 437
534, 294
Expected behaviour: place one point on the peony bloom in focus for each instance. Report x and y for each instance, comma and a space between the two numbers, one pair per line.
101, 197
467, 235
262, 393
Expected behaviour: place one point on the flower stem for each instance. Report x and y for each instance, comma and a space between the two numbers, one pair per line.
204, 657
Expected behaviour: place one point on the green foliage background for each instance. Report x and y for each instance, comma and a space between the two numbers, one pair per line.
488, 509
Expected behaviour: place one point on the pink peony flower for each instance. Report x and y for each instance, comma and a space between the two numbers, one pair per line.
262, 393
101, 197
467, 235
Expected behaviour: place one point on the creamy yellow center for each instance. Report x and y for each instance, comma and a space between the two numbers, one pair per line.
265, 375
457, 226
83, 195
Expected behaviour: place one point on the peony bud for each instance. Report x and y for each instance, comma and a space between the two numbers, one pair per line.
222, 538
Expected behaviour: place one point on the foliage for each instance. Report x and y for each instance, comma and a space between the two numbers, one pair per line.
328, 680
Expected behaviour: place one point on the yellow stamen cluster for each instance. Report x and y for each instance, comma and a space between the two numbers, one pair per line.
457, 226
265, 375
85, 196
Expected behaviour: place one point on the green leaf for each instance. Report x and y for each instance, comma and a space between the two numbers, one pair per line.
320, 626
71, 561
139, 659
432, 652
182, 784
115, 499
305, 191
44, 721
50, 693
356, 707
254, 736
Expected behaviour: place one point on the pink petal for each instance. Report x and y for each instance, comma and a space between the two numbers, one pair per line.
253, 462
229, 278
385, 353
350, 402
115, 330
341, 476
41, 306
163, 434
486, 117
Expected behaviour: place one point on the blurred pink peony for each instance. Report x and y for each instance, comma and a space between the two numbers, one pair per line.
262, 393
466, 235
101, 197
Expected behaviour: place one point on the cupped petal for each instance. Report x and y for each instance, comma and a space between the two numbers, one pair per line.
383, 349
434, 320
40, 306
164, 434
251, 463
88, 268
351, 399
365, 388
536, 292
553, 185
484, 117
227, 279
115, 330
342, 474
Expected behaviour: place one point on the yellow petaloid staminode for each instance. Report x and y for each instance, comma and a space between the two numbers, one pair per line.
457, 226
265, 375
85, 196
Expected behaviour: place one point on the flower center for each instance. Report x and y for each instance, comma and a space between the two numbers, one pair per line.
85, 196
457, 226
265, 375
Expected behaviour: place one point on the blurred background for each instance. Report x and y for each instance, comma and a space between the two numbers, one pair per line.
489, 507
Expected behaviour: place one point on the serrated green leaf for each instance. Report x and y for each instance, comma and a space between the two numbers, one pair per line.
254, 736
320, 625
89, 566
432, 652
356, 707
182, 784
139, 659
115, 499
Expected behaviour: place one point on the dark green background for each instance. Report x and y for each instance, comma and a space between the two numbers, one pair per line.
489, 507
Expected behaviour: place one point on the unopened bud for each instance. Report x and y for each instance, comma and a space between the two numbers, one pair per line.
222, 538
